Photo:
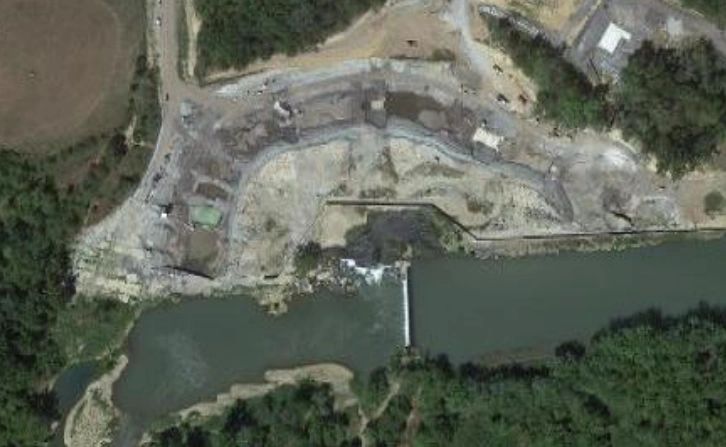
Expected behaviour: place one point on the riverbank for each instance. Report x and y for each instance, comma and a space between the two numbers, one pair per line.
429, 401
337, 376
194, 351
92, 420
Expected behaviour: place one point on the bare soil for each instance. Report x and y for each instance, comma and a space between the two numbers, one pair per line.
66, 69
552, 14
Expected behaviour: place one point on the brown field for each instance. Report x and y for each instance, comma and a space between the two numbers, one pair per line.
65, 69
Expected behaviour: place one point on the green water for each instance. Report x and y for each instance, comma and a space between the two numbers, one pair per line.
467, 308
181, 354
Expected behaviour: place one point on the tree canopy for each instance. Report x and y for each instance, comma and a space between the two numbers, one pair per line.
290, 416
648, 380
564, 94
235, 33
35, 226
673, 100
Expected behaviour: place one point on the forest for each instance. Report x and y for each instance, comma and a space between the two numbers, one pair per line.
35, 226
671, 101
44, 202
648, 380
235, 33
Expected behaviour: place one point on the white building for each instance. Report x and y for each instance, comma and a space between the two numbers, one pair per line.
611, 38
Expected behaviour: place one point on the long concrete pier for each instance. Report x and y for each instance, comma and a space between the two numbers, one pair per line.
406, 305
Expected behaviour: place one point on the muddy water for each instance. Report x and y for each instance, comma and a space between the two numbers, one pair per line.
518, 308
182, 354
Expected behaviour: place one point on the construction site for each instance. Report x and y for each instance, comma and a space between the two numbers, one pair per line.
247, 170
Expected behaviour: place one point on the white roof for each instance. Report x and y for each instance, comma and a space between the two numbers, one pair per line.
612, 37
487, 138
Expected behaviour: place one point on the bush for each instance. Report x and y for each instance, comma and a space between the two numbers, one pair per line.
714, 202
308, 257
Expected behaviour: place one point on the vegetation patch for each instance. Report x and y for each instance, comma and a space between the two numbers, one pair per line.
476, 206
307, 258
564, 94
673, 101
235, 33
44, 201
442, 55
713, 9
36, 224
302, 415
655, 379
92, 328
182, 37
102, 171
714, 203
387, 429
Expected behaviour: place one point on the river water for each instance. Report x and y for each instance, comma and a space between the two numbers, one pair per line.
517, 308
181, 354
468, 309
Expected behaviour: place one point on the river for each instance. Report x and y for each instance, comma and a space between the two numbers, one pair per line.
517, 308
468, 309
181, 354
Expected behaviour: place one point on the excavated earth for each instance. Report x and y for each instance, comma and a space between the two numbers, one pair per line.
280, 159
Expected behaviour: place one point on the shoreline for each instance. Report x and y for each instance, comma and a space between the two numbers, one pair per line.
90, 421
337, 376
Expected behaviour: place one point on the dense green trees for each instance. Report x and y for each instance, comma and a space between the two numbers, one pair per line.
647, 380
290, 416
671, 100
564, 94
35, 225
43, 203
674, 102
235, 33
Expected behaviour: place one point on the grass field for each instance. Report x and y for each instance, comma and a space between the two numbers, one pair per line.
66, 68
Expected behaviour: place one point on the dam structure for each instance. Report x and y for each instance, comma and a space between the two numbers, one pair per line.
405, 266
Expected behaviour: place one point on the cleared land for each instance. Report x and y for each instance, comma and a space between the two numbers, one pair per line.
66, 68
552, 14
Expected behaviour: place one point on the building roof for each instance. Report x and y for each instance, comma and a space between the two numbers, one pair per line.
611, 38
